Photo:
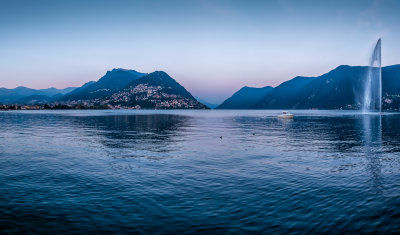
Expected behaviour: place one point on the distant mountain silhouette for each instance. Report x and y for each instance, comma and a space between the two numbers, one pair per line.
111, 82
246, 97
341, 88
16, 94
208, 104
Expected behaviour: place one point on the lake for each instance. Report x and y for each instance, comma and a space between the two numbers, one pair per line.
199, 171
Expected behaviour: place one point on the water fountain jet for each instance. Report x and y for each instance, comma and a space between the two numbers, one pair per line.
372, 100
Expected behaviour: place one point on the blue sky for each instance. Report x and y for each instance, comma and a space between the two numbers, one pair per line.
213, 48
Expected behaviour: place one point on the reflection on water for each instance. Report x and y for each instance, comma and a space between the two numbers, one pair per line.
129, 132
197, 171
372, 139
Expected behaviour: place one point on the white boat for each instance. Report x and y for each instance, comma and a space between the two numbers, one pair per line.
286, 115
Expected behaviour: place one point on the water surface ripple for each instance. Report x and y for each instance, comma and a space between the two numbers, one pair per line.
198, 171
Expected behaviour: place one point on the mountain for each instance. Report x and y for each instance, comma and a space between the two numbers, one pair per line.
246, 97
111, 82
341, 88
156, 90
391, 87
118, 88
13, 95
333, 90
208, 104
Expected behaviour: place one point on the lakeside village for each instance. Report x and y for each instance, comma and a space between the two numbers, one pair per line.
6, 107
172, 104
55, 106
139, 97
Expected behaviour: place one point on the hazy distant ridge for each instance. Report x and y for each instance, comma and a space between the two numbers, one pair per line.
18, 94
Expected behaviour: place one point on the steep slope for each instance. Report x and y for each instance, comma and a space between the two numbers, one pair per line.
285, 94
341, 88
155, 90
246, 97
111, 82
332, 90
391, 87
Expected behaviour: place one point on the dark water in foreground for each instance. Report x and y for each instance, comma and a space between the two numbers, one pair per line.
170, 172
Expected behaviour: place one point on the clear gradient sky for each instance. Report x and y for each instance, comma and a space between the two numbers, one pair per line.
211, 47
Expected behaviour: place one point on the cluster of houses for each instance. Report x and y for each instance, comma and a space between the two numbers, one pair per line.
142, 96
21, 107
143, 93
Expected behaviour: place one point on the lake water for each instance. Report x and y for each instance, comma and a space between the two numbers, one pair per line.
199, 171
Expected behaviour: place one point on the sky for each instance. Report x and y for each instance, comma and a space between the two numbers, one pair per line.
211, 47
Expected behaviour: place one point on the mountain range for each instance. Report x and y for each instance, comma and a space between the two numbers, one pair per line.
341, 88
118, 88
21, 95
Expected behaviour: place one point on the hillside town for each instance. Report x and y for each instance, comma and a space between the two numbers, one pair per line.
142, 96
